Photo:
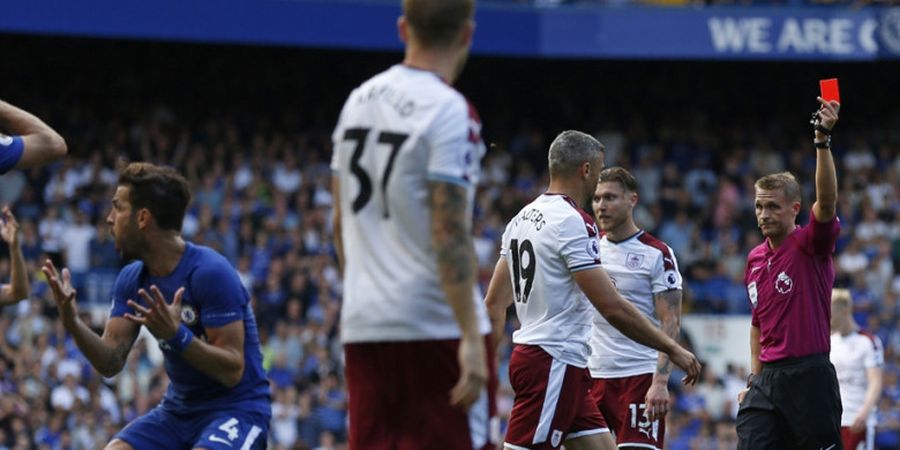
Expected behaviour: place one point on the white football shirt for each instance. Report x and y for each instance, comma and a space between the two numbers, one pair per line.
397, 132
543, 245
641, 267
852, 355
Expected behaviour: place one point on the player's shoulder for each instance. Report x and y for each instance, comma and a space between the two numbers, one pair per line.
870, 338
131, 273
656, 247
759, 251
569, 216
205, 258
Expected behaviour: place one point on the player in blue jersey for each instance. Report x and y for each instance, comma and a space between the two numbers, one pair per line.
190, 298
30, 142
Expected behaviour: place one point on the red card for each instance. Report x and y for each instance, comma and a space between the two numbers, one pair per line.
829, 89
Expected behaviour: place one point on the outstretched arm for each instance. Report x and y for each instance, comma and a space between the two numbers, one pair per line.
625, 317
42, 143
107, 353
825, 207
17, 289
221, 358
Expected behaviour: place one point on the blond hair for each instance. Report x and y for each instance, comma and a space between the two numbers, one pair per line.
784, 181
841, 297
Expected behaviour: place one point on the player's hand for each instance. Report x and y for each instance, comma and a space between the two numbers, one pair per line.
657, 401
9, 227
473, 372
742, 394
828, 112
61, 287
687, 362
859, 424
160, 318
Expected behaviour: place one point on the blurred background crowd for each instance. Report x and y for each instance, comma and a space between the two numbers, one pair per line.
250, 128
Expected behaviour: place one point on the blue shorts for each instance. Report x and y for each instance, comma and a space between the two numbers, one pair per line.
221, 430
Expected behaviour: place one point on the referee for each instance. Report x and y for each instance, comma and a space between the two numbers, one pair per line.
792, 399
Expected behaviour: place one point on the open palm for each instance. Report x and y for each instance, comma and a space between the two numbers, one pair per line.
60, 285
9, 227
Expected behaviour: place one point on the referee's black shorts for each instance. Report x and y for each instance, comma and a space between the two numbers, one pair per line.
792, 404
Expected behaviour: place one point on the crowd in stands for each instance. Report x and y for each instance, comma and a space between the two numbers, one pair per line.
260, 179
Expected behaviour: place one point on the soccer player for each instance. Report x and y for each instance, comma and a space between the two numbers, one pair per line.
550, 268
218, 397
858, 359
630, 379
17, 289
792, 398
31, 142
407, 154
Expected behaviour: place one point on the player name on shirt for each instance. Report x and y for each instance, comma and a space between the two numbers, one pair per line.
546, 242
398, 132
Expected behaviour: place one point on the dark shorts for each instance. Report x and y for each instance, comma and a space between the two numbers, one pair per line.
621, 401
553, 401
792, 404
399, 398
227, 429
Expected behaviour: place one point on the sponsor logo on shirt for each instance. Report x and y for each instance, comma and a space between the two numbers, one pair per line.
784, 283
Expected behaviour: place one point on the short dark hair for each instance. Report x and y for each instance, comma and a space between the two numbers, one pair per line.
784, 181
161, 190
570, 149
437, 23
621, 176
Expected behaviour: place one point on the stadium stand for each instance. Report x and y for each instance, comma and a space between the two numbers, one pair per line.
250, 129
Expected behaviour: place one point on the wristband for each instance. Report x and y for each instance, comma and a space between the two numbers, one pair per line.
822, 129
825, 144
181, 340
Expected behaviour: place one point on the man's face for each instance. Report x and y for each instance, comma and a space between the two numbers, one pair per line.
775, 213
122, 223
612, 204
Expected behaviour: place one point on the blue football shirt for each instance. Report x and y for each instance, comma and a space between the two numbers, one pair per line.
11, 148
214, 297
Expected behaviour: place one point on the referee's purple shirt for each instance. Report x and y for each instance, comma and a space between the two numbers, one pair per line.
790, 291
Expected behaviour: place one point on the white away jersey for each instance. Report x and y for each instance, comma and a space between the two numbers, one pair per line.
398, 131
543, 245
852, 355
641, 267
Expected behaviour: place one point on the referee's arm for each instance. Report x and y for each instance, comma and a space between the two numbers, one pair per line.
825, 206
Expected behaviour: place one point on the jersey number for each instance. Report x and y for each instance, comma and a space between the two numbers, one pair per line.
524, 264
359, 135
